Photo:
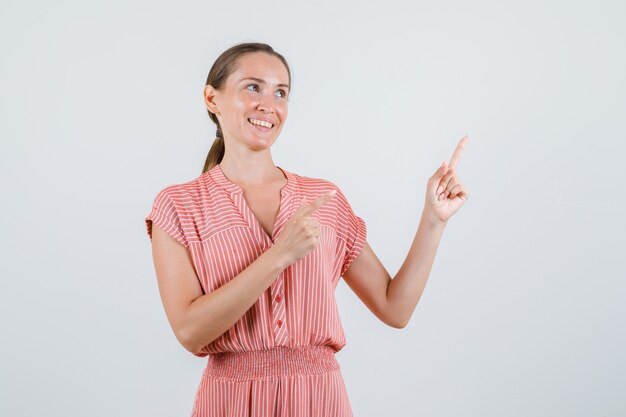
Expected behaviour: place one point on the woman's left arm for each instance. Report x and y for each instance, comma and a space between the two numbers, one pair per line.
394, 300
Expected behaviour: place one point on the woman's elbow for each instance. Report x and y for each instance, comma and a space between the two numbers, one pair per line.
395, 322
398, 324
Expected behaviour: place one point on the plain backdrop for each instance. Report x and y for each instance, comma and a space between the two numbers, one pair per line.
523, 314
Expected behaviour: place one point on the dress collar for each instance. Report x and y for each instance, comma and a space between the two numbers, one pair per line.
217, 175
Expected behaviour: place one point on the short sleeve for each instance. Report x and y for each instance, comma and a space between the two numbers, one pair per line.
353, 230
165, 214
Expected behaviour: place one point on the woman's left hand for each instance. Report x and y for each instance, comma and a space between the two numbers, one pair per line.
445, 193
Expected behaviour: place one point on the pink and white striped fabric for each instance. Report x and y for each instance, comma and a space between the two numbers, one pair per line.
279, 358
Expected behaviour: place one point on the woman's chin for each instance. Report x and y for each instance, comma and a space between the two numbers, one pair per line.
260, 143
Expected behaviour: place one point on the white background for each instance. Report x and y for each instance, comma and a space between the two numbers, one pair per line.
523, 315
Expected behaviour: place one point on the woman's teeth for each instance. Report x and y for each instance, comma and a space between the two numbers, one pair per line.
261, 123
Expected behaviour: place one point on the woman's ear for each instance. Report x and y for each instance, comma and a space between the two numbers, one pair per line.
209, 99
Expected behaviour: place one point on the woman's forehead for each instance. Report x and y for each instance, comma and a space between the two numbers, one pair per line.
261, 67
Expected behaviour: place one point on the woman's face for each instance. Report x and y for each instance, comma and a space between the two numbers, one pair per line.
257, 91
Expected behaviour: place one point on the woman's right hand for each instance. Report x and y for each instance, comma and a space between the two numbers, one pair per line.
300, 235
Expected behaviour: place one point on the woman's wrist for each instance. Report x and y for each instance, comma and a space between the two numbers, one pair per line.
429, 216
279, 257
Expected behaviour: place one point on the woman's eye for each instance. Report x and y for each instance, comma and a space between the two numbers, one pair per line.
283, 92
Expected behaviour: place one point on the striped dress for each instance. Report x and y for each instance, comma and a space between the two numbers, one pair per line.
278, 359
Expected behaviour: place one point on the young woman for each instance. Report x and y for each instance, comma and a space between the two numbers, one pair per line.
248, 255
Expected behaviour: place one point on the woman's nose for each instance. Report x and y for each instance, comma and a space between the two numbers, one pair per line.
266, 102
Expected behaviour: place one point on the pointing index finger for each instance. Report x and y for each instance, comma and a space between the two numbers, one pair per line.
317, 203
458, 152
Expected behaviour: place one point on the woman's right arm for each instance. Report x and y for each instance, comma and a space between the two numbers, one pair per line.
196, 318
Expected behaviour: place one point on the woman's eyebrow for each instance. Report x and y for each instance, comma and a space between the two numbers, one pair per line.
261, 81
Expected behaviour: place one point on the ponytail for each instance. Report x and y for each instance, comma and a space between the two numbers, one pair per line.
216, 153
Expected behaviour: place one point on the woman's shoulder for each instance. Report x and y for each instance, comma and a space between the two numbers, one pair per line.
312, 183
183, 193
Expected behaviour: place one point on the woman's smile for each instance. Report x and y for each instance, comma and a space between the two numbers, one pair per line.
260, 125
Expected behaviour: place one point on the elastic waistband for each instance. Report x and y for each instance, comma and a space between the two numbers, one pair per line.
278, 361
